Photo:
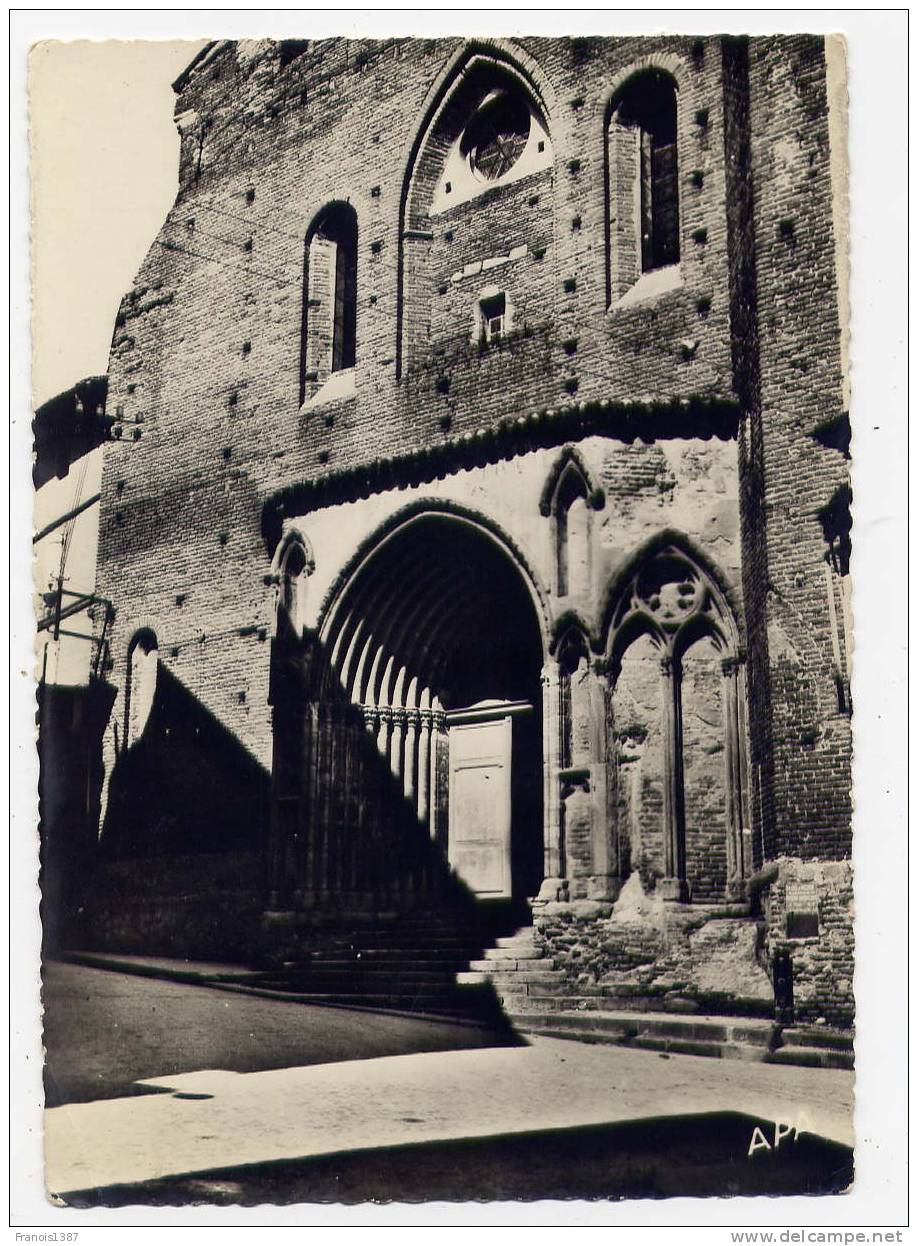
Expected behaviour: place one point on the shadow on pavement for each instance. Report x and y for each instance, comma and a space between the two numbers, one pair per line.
104, 1031
691, 1156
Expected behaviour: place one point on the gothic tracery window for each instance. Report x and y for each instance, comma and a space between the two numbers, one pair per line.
476, 207
679, 725
497, 135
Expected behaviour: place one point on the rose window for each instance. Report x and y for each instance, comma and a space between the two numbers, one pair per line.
497, 136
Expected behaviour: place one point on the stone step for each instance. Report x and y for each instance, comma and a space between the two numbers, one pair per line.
409, 938
589, 1000
353, 979
738, 1038
639, 999
666, 1026
812, 1057
818, 1036
391, 959
455, 952
588, 1026
698, 1047
454, 1000
517, 979
516, 940
513, 1003
505, 964
471, 977
405, 1001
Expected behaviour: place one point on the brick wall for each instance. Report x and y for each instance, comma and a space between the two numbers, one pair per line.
215, 454
823, 954
796, 388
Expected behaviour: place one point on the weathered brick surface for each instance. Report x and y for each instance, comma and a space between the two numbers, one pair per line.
203, 905
795, 385
685, 958
216, 454
824, 962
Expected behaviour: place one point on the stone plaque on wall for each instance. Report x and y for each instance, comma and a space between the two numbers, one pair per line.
801, 904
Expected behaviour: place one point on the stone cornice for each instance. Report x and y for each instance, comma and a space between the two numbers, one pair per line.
647, 420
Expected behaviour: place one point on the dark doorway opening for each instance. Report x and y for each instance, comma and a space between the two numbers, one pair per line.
436, 634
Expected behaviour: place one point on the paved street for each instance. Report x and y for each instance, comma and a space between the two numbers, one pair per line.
284, 1101
104, 1031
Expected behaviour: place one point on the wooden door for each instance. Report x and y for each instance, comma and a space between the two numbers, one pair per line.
480, 820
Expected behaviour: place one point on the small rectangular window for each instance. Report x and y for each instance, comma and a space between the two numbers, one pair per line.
493, 315
495, 326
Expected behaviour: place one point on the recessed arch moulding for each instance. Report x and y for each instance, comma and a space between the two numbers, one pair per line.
438, 617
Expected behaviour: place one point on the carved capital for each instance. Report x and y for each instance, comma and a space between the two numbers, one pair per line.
549, 674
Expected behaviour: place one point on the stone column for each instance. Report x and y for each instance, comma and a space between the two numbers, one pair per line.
289, 802
438, 798
426, 719
409, 769
382, 737
369, 816
396, 736
551, 763
333, 790
673, 883
315, 872
605, 881
735, 813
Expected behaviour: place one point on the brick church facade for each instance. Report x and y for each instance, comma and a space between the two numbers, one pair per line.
476, 517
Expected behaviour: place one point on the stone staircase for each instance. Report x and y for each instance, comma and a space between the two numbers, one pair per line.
538, 997
456, 966
815, 1046
414, 963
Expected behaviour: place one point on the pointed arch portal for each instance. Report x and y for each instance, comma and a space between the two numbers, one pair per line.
408, 752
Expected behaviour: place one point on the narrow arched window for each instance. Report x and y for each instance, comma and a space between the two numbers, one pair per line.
143, 663
643, 174
330, 318
292, 587
572, 534
573, 665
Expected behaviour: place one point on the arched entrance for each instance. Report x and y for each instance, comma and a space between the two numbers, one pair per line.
419, 743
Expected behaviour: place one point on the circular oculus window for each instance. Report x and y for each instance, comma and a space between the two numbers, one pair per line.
496, 136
